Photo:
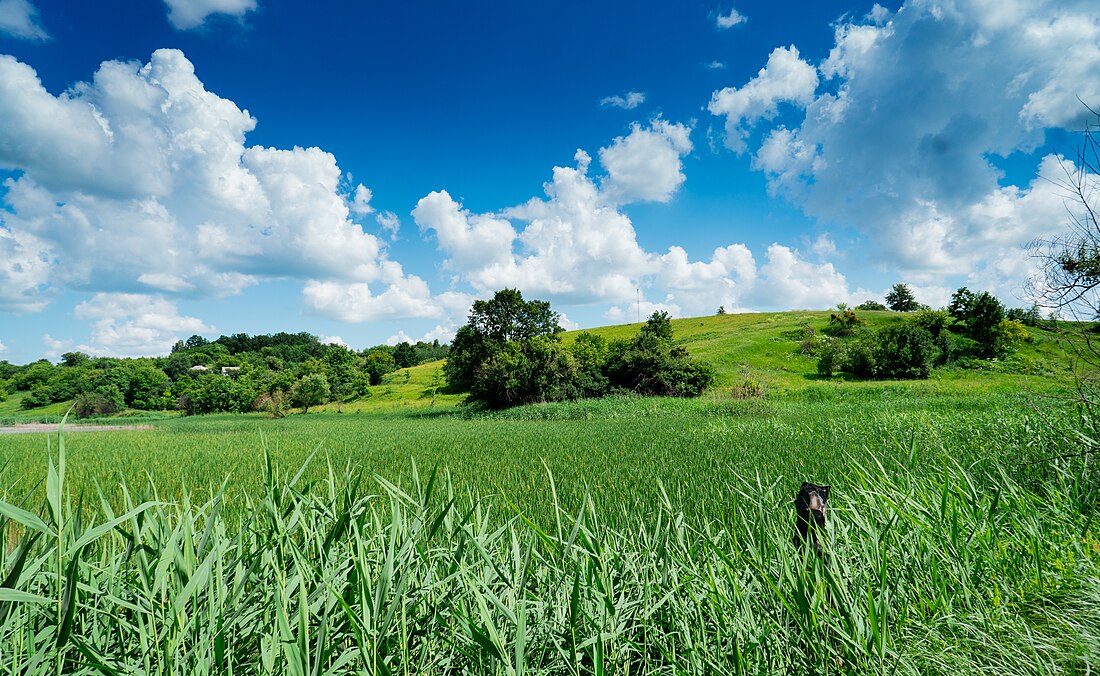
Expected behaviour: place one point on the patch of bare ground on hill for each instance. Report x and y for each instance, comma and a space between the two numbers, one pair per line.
33, 428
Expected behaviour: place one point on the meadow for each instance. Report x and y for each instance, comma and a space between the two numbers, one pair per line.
408, 534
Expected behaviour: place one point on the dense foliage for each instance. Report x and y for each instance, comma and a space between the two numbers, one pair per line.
974, 325
509, 353
236, 373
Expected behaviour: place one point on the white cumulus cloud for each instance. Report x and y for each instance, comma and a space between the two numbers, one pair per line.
334, 340
645, 165
131, 325
575, 246
187, 14
19, 18
142, 181
785, 79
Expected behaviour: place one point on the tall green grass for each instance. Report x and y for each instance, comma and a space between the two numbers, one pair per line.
946, 572
617, 450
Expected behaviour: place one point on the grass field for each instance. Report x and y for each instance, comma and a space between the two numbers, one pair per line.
627, 535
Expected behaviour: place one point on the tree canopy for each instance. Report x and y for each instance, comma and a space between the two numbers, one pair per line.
510, 353
901, 299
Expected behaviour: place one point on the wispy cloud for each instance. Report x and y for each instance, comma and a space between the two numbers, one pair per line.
188, 14
19, 18
628, 101
730, 19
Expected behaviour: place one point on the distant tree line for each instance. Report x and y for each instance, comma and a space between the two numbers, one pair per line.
973, 325
264, 372
510, 353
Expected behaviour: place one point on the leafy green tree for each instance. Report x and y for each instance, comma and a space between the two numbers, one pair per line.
145, 386
591, 353
1027, 317
404, 356
961, 303
311, 390
492, 323
508, 317
378, 363
901, 299
32, 375
986, 314
214, 393
659, 325
525, 372
74, 359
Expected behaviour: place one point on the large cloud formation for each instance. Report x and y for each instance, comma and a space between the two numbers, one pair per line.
576, 246
914, 115
141, 182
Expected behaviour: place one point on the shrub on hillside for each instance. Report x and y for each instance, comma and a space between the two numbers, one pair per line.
870, 305
830, 357
934, 322
898, 351
904, 351
531, 371
39, 396
93, 405
652, 366
843, 323
1028, 317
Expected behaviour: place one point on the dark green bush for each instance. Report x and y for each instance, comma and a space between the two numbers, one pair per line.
509, 354
897, 351
93, 405
904, 351
860, 358
843, 323
934, 322
39, 396
527, 372
830, 357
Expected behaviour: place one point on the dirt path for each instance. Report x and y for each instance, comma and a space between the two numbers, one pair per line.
34, 428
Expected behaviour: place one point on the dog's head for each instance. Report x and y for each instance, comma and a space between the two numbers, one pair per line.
812, 501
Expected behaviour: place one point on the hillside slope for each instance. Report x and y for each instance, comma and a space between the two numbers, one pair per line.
764, 350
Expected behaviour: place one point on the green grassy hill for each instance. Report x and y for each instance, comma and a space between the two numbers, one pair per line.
764, 350
749, 351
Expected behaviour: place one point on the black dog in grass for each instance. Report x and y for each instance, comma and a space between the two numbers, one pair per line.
809, 509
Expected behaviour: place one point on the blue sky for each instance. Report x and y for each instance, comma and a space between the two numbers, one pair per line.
363, 171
